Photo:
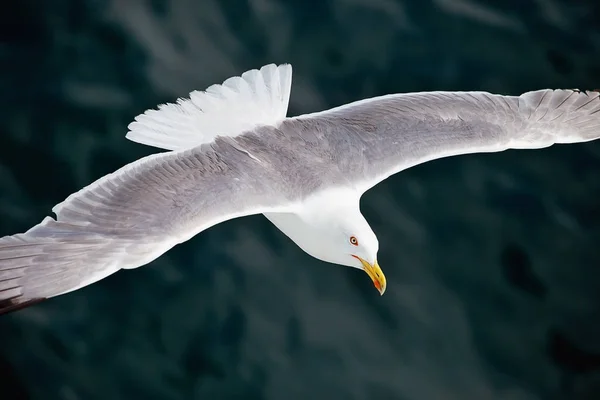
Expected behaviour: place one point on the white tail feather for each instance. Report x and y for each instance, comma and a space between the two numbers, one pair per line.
258, 97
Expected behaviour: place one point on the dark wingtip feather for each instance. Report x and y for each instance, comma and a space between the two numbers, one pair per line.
10, 305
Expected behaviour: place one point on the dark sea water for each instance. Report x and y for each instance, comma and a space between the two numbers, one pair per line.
492, 260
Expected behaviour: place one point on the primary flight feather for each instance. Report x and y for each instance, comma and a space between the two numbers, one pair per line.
234, 153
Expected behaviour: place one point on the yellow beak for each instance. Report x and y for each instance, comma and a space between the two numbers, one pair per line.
375, 273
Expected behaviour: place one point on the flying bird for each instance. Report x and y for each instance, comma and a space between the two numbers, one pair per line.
232, 151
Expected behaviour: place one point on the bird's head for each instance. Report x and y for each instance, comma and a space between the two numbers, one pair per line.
335, 232
357, 246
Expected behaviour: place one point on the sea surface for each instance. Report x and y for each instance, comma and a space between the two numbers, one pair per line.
492, 260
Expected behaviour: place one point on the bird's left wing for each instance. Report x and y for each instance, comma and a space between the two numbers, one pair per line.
375, 138
130, 217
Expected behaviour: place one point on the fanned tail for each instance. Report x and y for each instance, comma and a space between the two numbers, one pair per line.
241, 103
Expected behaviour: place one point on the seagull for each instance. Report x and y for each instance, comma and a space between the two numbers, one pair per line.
231, 151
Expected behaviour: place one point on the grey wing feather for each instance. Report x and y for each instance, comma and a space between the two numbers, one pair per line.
130, 217
382, 136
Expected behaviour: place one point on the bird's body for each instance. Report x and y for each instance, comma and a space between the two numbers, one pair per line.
233, 152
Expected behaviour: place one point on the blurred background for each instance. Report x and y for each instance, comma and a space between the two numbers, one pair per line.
492, 260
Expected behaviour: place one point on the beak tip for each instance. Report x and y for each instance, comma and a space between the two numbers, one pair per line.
380, 288
375, 273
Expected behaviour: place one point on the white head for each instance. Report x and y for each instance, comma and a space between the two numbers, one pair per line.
334, 230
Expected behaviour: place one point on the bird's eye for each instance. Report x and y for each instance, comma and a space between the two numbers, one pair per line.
354, 240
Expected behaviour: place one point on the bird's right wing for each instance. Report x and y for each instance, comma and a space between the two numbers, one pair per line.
130, 217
